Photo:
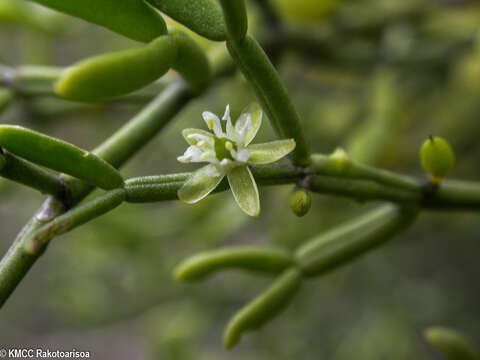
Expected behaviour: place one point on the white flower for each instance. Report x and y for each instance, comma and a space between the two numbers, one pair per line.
228, 153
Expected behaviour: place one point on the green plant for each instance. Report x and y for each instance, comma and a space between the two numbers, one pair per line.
117, 75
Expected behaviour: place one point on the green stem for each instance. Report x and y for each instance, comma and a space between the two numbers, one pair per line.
33, 176
16, 262
37, 240
362, 190
454, 194
120, 147
116, 150
342, 166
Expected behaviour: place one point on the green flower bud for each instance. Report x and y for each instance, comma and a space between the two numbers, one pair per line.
437, 158
300, 202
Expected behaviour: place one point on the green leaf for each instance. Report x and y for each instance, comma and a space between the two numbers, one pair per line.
119, 73
200, 184
191, 62
244, 190
265, 260
131, 18
264, 307
255, 65
60, 156
201, 16
270, 152
190, 131
235, 14
256, 114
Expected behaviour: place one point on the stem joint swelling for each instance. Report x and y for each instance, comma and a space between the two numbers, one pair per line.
104, 203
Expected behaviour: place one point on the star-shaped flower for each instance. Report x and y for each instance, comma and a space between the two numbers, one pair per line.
229, 153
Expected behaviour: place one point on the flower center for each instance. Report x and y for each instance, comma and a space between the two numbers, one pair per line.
223, 147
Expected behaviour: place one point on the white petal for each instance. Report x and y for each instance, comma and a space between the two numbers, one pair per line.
192, 140
241, 131
255, 112
199, 138
192, 154
228, 119
213, 123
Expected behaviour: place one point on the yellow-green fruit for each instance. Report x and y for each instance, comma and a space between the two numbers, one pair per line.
305, 10
437, 158
300, 202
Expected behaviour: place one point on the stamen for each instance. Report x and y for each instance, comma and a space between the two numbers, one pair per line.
210, 124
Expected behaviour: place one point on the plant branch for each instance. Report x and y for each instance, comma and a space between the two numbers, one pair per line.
116, 150
33, 176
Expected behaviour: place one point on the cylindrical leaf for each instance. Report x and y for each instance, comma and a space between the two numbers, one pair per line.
201, 16
270, 91
59, 155
235, 14
350, 240
264, 307
199, 266
110, 75
132, 18
191, 62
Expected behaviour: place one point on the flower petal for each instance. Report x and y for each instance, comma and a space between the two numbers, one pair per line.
213, 123
229, 127
256, 113
244, 190
191, 140
267, 153
192, 154
200, 184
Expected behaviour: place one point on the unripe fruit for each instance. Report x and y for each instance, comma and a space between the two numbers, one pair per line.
300, 202
437, 158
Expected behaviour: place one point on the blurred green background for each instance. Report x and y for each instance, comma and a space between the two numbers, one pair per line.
375, 77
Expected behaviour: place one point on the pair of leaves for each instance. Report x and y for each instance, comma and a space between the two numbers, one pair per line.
265, 306
60, 156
